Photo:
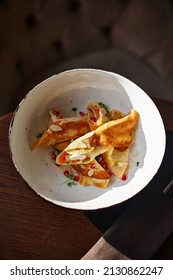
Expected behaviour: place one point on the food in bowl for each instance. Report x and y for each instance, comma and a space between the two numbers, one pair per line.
96, 145
70, 92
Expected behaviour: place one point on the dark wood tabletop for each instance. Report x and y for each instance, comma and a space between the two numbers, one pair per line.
33, 228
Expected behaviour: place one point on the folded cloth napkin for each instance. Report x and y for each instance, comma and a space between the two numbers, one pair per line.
145, 223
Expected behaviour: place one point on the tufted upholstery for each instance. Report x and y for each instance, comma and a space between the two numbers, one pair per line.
41, 37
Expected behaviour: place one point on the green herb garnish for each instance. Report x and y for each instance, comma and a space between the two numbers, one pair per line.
70, 176
71, 183
104, 106
56, 152
39, 134
137, 164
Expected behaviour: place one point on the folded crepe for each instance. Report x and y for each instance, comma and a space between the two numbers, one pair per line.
81, 151
98, 176
96, 115
63, 129
92, 174
118, 133
90, 181
54, 115
117, 161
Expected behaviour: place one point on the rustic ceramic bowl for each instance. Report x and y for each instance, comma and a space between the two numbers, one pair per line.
76, 88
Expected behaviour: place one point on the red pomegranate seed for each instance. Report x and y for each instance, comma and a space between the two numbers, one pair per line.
110, 173
76, 178
57, 122
124, 177
82, 114
92, 165
53, 156
66, 173
102, 162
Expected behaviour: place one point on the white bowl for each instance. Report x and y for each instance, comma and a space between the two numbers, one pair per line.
76, 88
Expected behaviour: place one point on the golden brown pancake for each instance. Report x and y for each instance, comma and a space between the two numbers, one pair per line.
63, 130
89, 181
82, 139
81, 151
118, 133
117, 161
92, 174
87, 169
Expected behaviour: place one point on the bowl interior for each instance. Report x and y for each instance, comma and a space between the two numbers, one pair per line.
76, 88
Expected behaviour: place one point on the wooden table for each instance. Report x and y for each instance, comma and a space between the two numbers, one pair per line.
32, 228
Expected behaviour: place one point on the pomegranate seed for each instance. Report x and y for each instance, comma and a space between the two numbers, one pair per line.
66, 173
76, 178
53, 156
92, 165
110, 173
124, 177
103, 164
82, 114
57, 122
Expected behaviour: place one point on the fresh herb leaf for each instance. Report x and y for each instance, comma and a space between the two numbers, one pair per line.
39, 134
71, 183
104, 106
56, 152
137, 164
70, 176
